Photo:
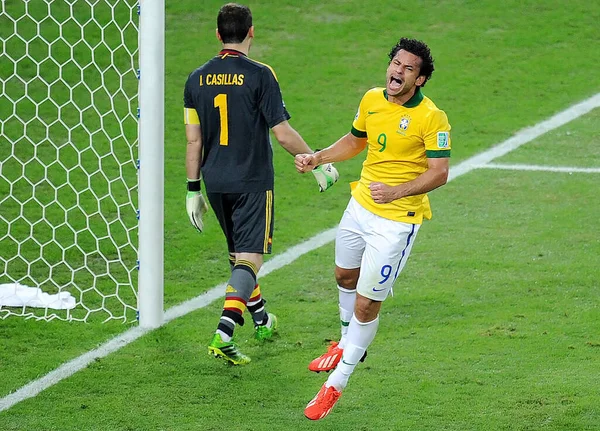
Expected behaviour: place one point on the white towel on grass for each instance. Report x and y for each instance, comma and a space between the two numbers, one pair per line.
18, 295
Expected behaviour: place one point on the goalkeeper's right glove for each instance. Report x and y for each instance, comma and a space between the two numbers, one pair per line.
326, 175
195, 204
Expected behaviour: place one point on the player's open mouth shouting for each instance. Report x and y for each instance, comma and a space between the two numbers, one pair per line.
395, 84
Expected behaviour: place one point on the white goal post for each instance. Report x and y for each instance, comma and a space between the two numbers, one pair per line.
81, 160
151, 236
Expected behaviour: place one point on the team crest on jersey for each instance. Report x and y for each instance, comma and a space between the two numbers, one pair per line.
404, 122
403, 125
443, 139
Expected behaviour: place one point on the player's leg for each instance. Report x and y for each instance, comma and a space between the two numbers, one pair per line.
256, 306
361, 332
346, 281
256, 303
237, 292
265, 324
237, 214
382, 261
253, 238
349, 247
346, 300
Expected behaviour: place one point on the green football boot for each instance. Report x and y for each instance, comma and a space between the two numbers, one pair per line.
265, 332
227, 350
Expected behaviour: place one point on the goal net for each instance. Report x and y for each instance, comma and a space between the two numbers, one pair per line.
68, 158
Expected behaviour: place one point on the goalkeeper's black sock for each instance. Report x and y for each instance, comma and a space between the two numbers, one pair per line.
240, 287
256, 306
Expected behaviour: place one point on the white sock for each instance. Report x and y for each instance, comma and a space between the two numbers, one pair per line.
268, 324
347, 298
224, 336
359, 337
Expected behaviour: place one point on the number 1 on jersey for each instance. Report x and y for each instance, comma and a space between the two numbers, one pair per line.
220, 103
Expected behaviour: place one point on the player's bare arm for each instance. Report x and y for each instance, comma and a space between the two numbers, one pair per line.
193, 157
435, 176
344, 148
290, 139
195, 203
326, 174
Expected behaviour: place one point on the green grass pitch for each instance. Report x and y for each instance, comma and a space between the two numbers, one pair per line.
494, 322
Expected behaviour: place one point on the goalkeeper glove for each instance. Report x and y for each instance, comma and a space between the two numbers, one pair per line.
195, 204
326, 176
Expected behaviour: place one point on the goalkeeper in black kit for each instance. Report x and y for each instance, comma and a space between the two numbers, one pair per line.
230, 103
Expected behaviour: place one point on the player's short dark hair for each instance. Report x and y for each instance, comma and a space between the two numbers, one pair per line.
420, 49
233, 22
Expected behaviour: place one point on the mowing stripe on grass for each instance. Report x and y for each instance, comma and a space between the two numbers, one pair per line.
518, 167
69, 368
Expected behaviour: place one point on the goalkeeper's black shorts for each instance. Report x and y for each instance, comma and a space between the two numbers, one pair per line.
246, 220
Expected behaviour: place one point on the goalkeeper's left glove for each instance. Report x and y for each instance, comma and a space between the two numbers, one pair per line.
326, 175
195, 204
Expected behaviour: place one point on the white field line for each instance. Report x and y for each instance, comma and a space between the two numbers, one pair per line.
69, 368
519, 167
526, 135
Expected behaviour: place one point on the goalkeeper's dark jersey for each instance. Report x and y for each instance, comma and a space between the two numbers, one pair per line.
236, 100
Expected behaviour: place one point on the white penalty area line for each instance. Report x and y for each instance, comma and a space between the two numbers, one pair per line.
69, 368
519, 167
526, 135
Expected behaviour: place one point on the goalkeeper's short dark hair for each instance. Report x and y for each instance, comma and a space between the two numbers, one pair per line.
421, 50
233, 22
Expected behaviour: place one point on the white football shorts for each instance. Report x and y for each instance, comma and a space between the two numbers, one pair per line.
379, 246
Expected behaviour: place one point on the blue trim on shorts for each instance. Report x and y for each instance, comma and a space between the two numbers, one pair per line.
404, 251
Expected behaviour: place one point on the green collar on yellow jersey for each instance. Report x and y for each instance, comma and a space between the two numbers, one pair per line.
413, 101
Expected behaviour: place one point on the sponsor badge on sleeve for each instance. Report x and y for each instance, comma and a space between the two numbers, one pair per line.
443, 139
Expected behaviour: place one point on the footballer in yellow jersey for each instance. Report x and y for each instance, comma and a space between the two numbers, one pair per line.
408, 148
400, 140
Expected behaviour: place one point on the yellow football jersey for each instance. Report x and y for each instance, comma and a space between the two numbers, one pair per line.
400, 139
